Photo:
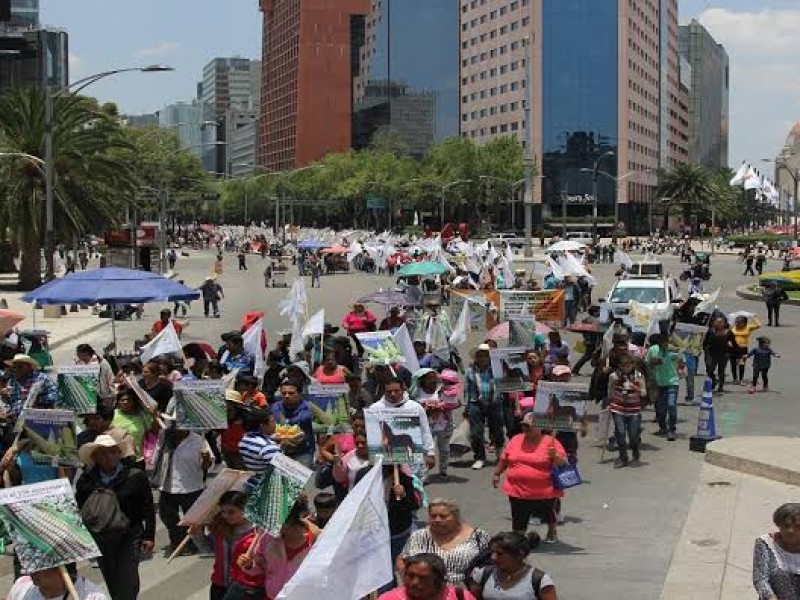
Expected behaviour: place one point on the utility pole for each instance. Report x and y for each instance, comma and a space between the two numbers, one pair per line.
528, 156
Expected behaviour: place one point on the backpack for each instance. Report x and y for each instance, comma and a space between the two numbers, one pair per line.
536, 579
103, 516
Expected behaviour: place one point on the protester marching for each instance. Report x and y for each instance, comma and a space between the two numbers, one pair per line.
300, 460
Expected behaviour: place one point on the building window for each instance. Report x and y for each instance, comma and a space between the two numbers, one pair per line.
514, 26
525, 21
504, 30
503, 70
493, 110
503, 128
503, 49
503, 10
493, 15
493, 129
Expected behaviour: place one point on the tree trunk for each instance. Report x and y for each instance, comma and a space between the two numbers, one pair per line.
30, 268
7, 254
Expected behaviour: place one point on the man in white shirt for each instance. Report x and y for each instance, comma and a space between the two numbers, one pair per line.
181, 475
395, 397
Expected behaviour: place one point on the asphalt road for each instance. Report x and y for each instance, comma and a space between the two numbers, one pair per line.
621, 525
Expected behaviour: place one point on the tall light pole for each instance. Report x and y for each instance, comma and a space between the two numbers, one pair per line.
443, 187
795, 175
72, 90
528, 156
165, 201
594, 193
513, 187
617, 181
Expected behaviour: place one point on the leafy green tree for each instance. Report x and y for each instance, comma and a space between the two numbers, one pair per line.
689, 188
89, 179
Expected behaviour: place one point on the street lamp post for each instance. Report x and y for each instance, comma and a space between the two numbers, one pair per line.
795, 175
513, 187
594, 193
78, 86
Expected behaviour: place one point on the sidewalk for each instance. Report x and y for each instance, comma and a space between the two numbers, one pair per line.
63, 330
742, 482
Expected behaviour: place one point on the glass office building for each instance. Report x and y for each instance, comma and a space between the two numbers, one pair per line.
407, 78
579, 102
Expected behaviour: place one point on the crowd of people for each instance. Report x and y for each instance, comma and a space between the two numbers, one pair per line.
436, 552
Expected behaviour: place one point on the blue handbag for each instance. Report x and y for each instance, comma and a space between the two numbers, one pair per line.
565, 476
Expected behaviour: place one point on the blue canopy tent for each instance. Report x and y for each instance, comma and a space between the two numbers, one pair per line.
110, 286
312, 245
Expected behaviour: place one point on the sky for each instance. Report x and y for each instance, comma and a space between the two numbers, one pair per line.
762, 39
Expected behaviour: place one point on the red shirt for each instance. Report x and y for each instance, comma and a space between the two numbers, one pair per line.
235, 574
528, 473
158, 326
231, 437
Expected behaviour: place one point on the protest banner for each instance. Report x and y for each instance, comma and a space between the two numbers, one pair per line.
52, 437
482, 307
689, 338
77, 388
510, 369
546, 305
200, 405
45, 525
381, 348
278, 489
329, 408
353, 554
560, 406
205, 507
394, 435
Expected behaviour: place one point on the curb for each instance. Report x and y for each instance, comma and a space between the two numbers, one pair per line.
738, 455
103, 323
744, 291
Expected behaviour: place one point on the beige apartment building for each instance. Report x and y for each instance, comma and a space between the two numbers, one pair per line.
606, 89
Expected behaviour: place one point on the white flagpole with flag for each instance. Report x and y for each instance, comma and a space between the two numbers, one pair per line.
166, 342
461, 330
403, 340
316, 324
353, 556
738, 179
252, 343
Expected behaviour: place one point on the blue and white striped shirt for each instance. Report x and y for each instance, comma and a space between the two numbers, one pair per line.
257, 450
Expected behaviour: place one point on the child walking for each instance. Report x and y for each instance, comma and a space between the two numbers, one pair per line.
232, 535
762, 361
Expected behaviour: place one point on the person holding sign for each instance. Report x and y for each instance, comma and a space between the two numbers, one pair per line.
293, 409
133, 417
25, 374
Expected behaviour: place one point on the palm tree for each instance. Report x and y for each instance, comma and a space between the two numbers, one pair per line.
88, 181
689, 187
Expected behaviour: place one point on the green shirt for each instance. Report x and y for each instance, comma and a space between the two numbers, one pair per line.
666, 373
136, 425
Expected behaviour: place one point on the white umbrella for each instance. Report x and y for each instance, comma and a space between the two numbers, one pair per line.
566, 246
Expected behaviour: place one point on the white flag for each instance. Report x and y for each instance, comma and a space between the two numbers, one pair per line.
738, 179
461, 330
316, 324
752, 180
403, 340
708, 304
353, 554
252, 344
166, 342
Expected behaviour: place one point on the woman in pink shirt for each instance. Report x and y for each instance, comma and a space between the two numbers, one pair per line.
329, 372
424, 579
526, 461
358, 320
278, 558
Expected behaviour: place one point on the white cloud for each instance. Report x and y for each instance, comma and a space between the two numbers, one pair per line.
763, 46
157, 50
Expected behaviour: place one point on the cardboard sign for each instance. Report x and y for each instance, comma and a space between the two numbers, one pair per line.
206, 505
510, 369
394, 434
45, 525
200, 405
52, 436
278, 489
77, 388
560, 406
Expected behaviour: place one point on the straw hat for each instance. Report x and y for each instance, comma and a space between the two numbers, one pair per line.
480, 348
23, 358
86, 451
